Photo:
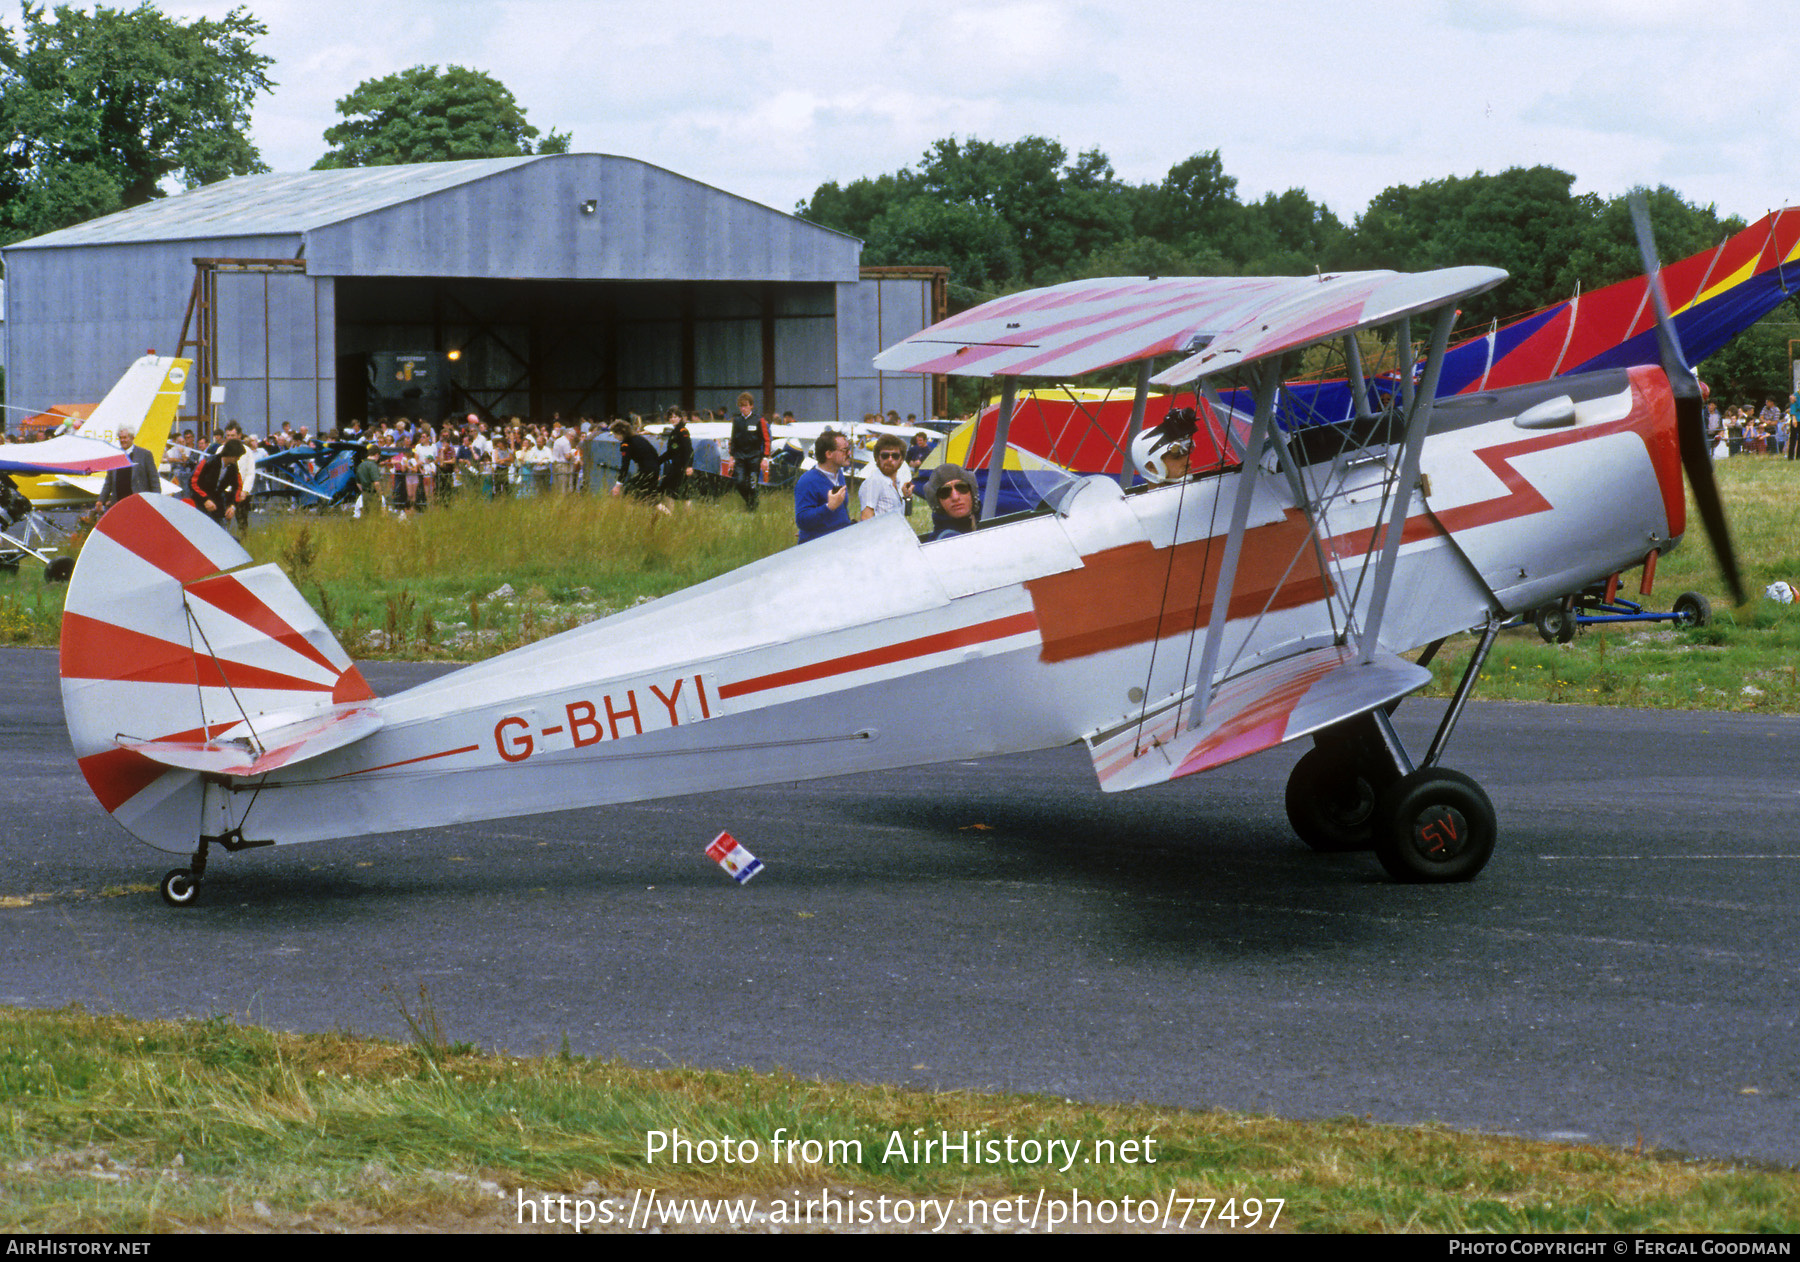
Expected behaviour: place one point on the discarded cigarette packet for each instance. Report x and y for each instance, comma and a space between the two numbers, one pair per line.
730, 854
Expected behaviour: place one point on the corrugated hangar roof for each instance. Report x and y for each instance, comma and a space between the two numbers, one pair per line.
274, 204
264, 205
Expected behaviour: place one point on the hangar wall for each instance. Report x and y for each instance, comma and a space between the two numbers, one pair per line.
576, 283
85, 313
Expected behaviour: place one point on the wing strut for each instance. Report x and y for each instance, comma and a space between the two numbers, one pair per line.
1411, 450
1138, 402
1359, 381
1268, 381
1009, 396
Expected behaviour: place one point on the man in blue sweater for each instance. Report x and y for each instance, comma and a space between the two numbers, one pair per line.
822, 494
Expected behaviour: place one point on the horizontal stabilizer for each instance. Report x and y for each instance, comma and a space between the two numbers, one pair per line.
253, 747
1257, 710
181, 660
95, 483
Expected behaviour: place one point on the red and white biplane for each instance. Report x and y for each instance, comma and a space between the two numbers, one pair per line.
1169, 629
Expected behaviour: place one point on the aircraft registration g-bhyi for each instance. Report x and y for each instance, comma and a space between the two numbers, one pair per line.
1169, 629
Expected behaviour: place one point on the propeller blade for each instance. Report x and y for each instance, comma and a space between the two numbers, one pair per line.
1690, 414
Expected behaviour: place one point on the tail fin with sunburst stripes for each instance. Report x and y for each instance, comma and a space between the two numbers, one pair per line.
178, 666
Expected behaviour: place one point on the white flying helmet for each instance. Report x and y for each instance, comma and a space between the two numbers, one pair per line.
1150, 449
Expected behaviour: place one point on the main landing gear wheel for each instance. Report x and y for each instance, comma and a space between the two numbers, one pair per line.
1692, 609
1331, 802
179, 888
1555, 622
1434, 825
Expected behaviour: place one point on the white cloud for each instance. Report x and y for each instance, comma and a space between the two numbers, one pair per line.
772, 100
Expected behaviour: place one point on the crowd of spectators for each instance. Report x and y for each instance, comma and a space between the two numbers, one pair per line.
422, 464
1745, 430
419, 464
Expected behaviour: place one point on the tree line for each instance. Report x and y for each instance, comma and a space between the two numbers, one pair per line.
105, 109
1005, 216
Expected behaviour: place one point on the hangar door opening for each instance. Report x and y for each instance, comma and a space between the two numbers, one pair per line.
536, 349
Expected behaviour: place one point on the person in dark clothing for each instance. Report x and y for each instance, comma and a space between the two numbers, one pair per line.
677, 458
638, 463
749, 448
137, 478
368, 482
215, 482
954, 506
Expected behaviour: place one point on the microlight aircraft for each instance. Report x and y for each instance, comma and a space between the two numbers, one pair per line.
1168, 630
69, 471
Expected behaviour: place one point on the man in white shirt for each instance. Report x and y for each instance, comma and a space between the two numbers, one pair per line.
885, 487
246, 476
562, 455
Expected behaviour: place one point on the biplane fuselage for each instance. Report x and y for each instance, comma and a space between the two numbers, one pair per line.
865, 650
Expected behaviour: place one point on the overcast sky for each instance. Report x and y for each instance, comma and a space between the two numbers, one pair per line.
769, 100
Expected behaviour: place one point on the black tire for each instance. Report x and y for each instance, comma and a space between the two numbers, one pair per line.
1434, 826
1555, 622
179, 888
1692, 609
59, 569
1331, 803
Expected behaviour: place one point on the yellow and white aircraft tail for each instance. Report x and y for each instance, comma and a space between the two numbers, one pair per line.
147, 395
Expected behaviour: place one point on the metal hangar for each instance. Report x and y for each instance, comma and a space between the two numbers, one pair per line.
579, 284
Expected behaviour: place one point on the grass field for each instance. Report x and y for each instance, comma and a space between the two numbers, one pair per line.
119, 1125
1745, 660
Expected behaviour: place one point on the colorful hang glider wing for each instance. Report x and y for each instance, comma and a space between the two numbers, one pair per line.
1084, 430
1713, 296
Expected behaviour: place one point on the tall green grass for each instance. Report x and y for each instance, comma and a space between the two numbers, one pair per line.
1745, 660
422, 585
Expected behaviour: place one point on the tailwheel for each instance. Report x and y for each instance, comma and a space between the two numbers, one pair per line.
180, 887
1434, 825
1331, 802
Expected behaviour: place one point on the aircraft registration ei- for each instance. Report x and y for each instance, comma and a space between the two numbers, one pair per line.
1169, 629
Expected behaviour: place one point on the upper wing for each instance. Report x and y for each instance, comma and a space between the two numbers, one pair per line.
1085, 325
1334, 306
